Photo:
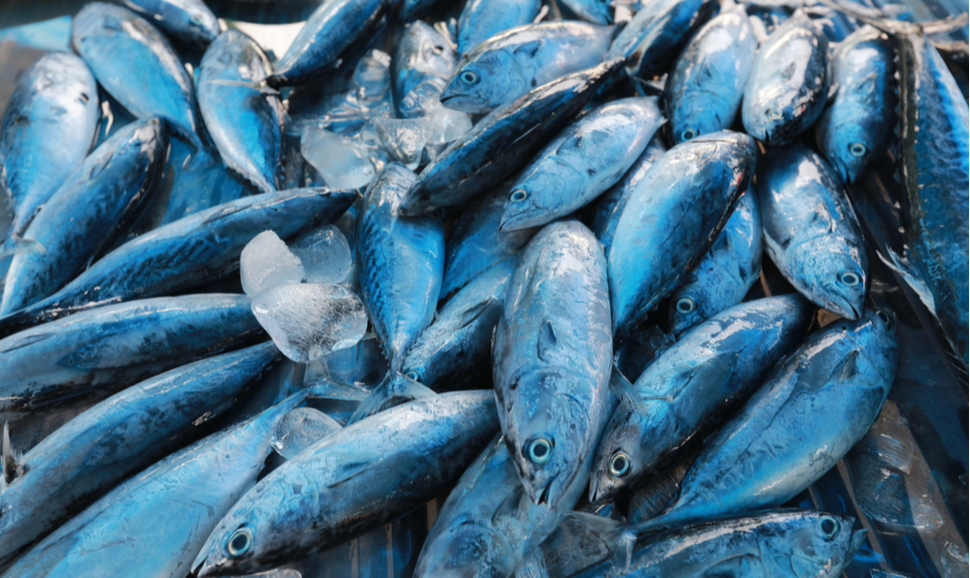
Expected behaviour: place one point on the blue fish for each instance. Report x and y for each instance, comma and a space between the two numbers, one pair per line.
422, 65
186, 20
480, 20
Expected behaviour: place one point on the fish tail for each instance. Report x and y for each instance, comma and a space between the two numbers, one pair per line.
395, 389
16, 244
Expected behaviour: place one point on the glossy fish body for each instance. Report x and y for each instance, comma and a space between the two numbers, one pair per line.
693, 387
100, 351
812, 408
673, 218
363, 476
504, 141
552, 355
788, 85
810, 230
187, 20
107, 191
704, 91
483, 19
725, 275
423, 57
585, 160
48, 128
245, 122
185, 253
133, 429
331, 29
509, 65
136, 65
595, 11
193, 487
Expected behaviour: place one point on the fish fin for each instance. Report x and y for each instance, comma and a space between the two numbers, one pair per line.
257, 86
615, 536
350, 471
301, 428
743, 566
11, 459
528, 49
511, 506
547, 342
470, 315
16, 244
848, 368
392, 391
911, 277
626, 393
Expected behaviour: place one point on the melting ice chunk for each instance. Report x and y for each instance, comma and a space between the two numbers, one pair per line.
325, 254
445, 124
266, 262
300, 429
343, 162
310, 320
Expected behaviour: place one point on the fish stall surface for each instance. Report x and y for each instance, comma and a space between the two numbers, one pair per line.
485, 289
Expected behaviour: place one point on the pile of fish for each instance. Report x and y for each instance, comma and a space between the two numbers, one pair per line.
504, 253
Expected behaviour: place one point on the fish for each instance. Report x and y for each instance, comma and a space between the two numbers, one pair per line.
672, 219
812, 408
423, 59
704, 90
503, 141
99, 351
855, 129
359, 478
94, 206
773, 543
595, 11
725, 275
74, 466
137, 66
244, 119
48, 127
333, 28
188, 21
481, 20
693, 387
551, 359
789, 82
185, 253
811, 231
508, 65
400, 261
586, 159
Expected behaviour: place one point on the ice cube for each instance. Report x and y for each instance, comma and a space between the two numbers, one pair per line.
266, 262
312, 319
325, 254
343, 162
445, 124
300, 429
403, 139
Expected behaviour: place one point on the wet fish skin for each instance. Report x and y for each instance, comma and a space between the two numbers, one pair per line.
107, 191
245, 122
725, 275
694, 386
705, 88
187, 20
136, 65
504, 141
811, 231
118, 437
788, 85
672, 219
352, 481
595, 11
99, 351
47, 129
480, 20
510, 64
422, 57
587, 158
552, 354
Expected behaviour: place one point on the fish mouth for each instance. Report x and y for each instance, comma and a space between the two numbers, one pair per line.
544, 496
515, 222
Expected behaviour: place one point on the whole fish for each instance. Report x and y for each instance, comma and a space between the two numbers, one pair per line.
190, 21
813, 407
725, 275
164, 513
585, 160
332, 28
800, 543
704, 90
672, 219
476, 243
361, 477
605, 211
188, 252
48, 128
480, 20
552, 354
693, 387
423, 59
244, 120
400, 261
810, 230
95, 353
504, 141
595, 11
655, 36
136, 65
788, 85
508, 65
97, 203
125, 433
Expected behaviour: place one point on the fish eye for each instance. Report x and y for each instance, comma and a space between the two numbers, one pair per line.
688, 134
857, 149
774, 114
885, 317
540, 450
829, 526
468, 77
620, 465
849, 279
438, 49
685, 305
239, 542
518, 195
412, 375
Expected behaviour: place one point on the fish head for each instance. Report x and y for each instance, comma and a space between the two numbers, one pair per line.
467, 548
832, 275
848, 145
815, 545
621, 458
483, 81
694, 116
534, 196
595, 11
